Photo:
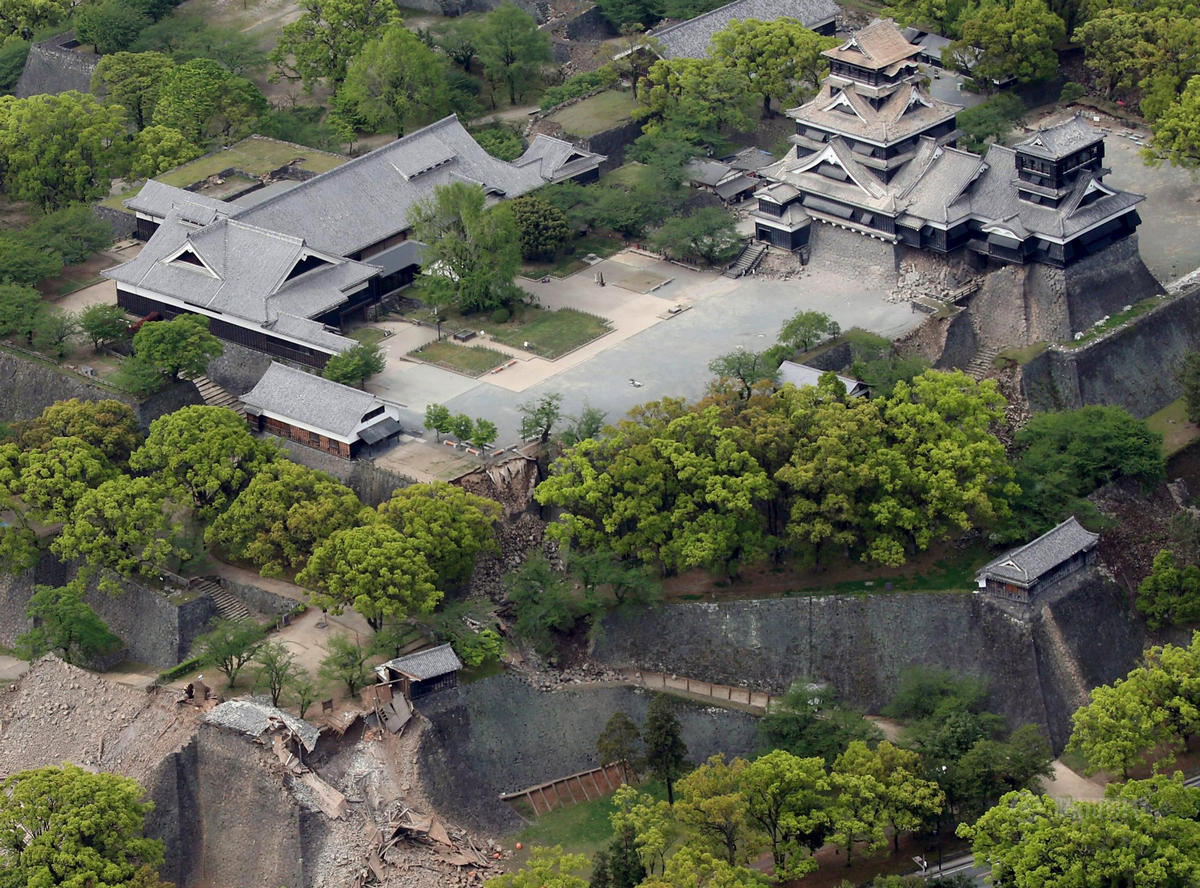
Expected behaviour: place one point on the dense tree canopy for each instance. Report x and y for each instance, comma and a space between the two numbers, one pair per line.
179, 348
395, 82
511, 49
69, 827
695, 99
159, 148
60, 149
132, 80
1015, 38
204, 455
109, 426
328, 35
355, 365
376, 570
109, 25
541, 227
781, 58
55, 476
707, 236
282, 515
203, 100
65, 624
450, 526
23, 18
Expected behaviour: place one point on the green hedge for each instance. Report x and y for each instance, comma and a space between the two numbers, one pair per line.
189, 665
580, 84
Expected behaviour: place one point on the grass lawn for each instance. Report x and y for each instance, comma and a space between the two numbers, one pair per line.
581, 829
602, 111
549, 333
571, 262
1172, 423
471, 360
367, 335
1115, 321
631, 175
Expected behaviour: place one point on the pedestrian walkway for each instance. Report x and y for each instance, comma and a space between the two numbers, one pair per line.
719, 694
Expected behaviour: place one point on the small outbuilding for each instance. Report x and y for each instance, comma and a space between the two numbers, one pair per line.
320, 413
1041, 565
799, 375
422, 673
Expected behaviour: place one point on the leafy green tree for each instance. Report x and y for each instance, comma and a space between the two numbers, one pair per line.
619, 740
104, 323
73, 232
204, 455
781, 58
375, 569
627, 584
274, 668
179, 348
1177, 129
1117, 727
437, 419
714, 807
859, 809
132, 80
24, 262
203, 101
807, 329
786, 800
650, 823
539, 417
108, 25
448, 525
1171, 593
229, 646
1144, 833
55, 476
744, 369
941, 15
908, 800
139, 377
1118, 46
474, 249
1015, 38
618, 865
355, 365
20, 307
282, 515
547, 868
13, 53
588, 424
122, 525
707, 235
990, 121
511, 49
545, 609
18, 541
1063, 457
60, 149
991, 768
66, 826
24, 18
53, 331
808, 722
476, 648
301, 686
662, 738
320, 45
344, 664
501, 142
395, 82
696, 100
159, 148
65, 624
694, 866
541, 227
462, 426
483, 435
186, 36
457, 39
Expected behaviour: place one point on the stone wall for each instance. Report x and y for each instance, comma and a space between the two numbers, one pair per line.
156, 630
238, 368
258, 599
28, 386
373, 484
862, 645
501, 734
612, 143
591, 24
122, 223
1133, 367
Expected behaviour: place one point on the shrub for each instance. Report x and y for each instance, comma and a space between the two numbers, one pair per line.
580, 84
1071, 92
501, 315
990, 121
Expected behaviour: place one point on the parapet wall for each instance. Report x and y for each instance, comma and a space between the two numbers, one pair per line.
862, 645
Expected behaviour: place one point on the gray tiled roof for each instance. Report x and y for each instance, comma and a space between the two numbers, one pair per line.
256, 716
877, 46
1058, 141
907, 111
691, 39
312, 332
939, 185
750, 160
557, 159
791, 373
862, 189
310, 400
1023, 566
702, 171
249, 266
426, 664
370, 198
735, 186
158, 200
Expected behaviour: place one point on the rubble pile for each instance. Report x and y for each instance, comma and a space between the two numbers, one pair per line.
780, 265
934, 281
545, 679
516, 536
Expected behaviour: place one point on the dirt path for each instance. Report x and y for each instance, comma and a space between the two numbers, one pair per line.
1069, 785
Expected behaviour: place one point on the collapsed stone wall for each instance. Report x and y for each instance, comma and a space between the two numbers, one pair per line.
28, 386
501, 735
862, 645
1132, 367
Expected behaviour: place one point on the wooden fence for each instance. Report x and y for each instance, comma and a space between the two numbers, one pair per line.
717, 693
581, 787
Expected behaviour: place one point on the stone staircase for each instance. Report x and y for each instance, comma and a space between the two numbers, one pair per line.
215, 396
747, 260
983, 362
229, 606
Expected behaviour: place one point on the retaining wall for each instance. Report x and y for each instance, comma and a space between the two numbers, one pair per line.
862, 645
372, 484
257, 599
502, 735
